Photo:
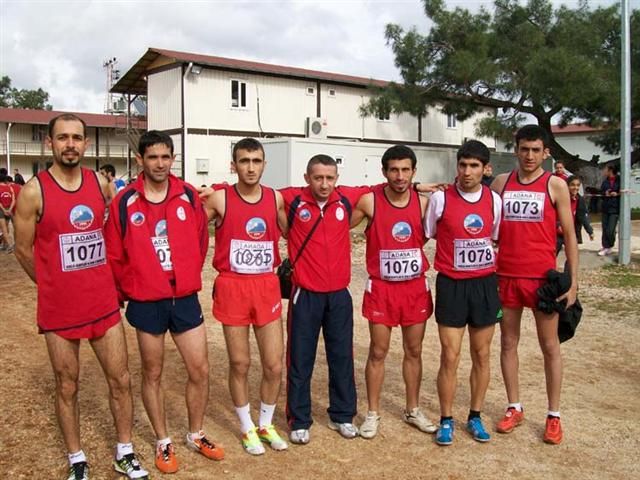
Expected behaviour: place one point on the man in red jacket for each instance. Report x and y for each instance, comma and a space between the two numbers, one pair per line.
320, 298
157, 241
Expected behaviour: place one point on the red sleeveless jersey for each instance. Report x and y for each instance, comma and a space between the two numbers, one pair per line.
395, 237
247, 239
528, 229
464, 248
75, 283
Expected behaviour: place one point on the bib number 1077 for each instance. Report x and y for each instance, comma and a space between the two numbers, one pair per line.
82, 250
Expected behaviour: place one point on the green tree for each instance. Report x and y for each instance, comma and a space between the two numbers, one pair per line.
520, 59
22, 98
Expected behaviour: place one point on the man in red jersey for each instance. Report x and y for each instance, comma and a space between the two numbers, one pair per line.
59, 243
465, 220
532, 202
157, 240
396, 265
248, 219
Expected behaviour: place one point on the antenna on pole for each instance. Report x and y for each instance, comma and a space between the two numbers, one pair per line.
113, 75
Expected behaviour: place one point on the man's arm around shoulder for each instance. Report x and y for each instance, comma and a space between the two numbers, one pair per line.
27, 211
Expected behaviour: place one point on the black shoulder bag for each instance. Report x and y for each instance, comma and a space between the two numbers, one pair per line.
285, 270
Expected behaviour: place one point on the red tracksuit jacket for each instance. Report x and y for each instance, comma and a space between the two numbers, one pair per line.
135, 261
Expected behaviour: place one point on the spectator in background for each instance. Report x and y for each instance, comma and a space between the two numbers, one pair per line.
108, 171
487, 175
610, 188
559, 170
17, 177
579, 212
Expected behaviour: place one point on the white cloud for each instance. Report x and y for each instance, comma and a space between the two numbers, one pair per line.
60, 45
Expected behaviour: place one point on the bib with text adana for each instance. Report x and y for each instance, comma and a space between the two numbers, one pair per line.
400, 265
523, 206
473, 254
251, 257
163, 252
79, 251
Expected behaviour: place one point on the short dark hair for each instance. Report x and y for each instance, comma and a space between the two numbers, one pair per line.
574, 177
107, 167
67, 117
321, 159
533, 132
154, 137
249, 144
474, 149
558, 162
398, 152
612, 167
3, 171
4, 178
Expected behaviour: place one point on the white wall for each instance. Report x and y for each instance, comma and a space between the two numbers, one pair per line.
579, 144
164, 107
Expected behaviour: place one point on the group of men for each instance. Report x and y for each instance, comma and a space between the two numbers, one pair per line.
151, 251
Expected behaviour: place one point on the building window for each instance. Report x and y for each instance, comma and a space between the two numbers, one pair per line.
384, 115
311, 90
238, 94
451, 121
331, 92
38, 133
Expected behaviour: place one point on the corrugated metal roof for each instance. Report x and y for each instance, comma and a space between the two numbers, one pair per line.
42, 117
134, 81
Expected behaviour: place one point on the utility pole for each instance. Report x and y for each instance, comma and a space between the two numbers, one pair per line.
624, 256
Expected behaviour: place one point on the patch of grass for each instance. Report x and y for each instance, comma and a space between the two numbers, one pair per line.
617, 308
621, 276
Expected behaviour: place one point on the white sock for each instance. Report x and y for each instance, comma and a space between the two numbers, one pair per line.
553, 414
517, 406
195, 435
77, 457
266, 414
244, 415
163, 442
123, 449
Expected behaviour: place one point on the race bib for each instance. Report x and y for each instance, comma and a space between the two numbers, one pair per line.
523, 206
399, 265
247, 256
79, 251
474, 254
163, 252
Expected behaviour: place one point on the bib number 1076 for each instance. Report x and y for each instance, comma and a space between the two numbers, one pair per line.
399, 265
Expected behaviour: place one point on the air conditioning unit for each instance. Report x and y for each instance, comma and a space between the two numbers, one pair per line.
316, 127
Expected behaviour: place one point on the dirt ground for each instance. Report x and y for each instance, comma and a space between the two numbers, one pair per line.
600, 401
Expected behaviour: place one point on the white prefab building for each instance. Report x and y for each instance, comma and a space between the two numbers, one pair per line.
208, 103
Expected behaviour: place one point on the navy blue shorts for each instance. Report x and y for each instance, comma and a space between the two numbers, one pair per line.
176, 315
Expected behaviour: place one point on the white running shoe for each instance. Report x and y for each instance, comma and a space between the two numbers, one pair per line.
416, 418
299, 437
347, 430
369, 427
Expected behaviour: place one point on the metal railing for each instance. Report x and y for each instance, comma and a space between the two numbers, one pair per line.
37, 149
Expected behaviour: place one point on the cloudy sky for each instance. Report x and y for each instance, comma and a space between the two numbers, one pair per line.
61, 45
